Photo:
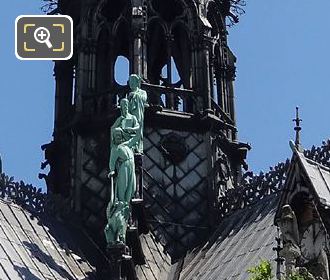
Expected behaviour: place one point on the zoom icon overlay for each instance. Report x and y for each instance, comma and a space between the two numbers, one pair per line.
44, 37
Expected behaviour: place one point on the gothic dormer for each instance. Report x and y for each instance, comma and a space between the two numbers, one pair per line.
303, 212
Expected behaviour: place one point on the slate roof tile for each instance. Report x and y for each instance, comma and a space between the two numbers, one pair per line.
319, 176
158, 263
240, 242
28, 250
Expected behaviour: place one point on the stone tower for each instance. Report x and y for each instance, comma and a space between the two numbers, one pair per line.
191, 152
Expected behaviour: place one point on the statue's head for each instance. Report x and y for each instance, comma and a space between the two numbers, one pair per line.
287, 212
124, 106
287, 219
118, 136
134, 82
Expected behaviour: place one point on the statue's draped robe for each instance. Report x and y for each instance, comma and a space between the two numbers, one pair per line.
122, 159
137, 102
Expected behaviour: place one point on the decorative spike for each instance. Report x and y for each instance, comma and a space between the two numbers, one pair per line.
297, 128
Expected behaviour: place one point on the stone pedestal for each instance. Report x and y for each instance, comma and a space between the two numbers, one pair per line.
117, 254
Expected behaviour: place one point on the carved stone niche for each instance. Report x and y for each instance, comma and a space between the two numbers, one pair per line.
313, 240
174, 148
303, 206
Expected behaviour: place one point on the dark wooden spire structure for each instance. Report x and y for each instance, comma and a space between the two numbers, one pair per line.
192, 154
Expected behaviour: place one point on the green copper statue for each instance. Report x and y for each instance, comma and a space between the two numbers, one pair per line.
122, 168
137, 102
122, 161
127, 122
126, 138
115, 230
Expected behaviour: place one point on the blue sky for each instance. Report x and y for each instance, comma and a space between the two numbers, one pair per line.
283, 61
283, 51
27, 98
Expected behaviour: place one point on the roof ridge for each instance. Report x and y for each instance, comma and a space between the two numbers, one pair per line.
322, 176
25, 195
319, 155
320, 165
254, 187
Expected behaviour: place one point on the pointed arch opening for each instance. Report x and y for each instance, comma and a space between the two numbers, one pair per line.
304, 209
157, 54
170, 54
121, 70
217, 77
181, 53
121, 54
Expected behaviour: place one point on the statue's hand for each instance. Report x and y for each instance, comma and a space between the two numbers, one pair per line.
111, 174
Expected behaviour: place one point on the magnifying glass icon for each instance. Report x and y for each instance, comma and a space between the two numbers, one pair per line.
42, 35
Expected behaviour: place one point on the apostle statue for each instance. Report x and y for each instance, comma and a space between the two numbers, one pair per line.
127, 122
122, 165
137, 102
122, 170
122, 161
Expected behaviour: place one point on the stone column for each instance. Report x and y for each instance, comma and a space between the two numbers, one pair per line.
203, 71
83, 72
63, 72
170, 103
139, 65
83, 76
92, 66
